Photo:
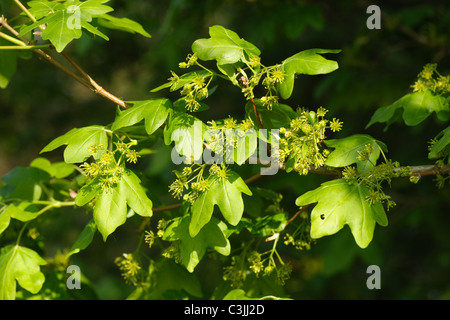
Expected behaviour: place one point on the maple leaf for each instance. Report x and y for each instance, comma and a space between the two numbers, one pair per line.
340, 203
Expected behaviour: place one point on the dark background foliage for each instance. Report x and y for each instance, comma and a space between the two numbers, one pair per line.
376, 67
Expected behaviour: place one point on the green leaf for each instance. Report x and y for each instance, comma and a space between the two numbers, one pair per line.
309, 62
340, 203
226, 194
60, 31
24, 183
154, 112
8, 63
19, 264
58, 170
78, 142
193, 248
417, 106
135, 194
266, 225
84, 240
177, 281
246, 145
187, 133
88, 192
123, 24
110, 211
237, 294
64, 21
280, 115
346, 151
224, 46
441, 144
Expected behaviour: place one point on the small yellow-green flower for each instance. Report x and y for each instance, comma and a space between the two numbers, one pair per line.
336, 125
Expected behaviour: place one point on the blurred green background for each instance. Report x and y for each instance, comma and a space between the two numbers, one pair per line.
376, 67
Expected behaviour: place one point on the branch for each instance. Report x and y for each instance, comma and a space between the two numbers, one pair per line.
85, 79
429, 170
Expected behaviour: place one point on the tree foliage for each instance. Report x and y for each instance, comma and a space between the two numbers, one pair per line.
205, 211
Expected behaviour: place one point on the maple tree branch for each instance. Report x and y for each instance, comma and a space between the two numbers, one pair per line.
85, 79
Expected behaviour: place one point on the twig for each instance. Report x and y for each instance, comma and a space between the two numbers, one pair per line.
167, 208
85, 80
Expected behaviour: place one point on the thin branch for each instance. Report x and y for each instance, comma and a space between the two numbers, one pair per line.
428, 170
25, 47
97, 88
303, 209
168, 208
85, 80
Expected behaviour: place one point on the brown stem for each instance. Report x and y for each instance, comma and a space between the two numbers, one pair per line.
428, 170
303, 209
167, 208
96, 87
85, 80
255, 111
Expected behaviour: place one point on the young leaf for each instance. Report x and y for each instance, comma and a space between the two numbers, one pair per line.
88, 192
78, 142
154, 112
84, 240
135, 195
441, 144
19, 264
8, 63
24, 183
340, 203
110, 211
123, 24
226, 194
280, 115
187, 133
192, 249
63, 22
58, 170
417, 106
347, 151
308, 62
224, 46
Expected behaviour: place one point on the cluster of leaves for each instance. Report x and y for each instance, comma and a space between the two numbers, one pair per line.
97, 172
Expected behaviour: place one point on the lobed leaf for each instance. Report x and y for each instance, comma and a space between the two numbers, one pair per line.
224, 46
110, 210
193, 248
187, 133
155, 113
19, 264
340, 203
309, 62
416, 107
226, 194
78, 142
346, 151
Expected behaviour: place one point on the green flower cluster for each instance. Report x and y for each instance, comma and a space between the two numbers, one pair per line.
191, 181
108, 169
130, 269
374, 178
301, 145
429, 78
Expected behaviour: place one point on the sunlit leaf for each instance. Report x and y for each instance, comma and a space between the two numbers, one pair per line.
193, 248
340, 203
19, 264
